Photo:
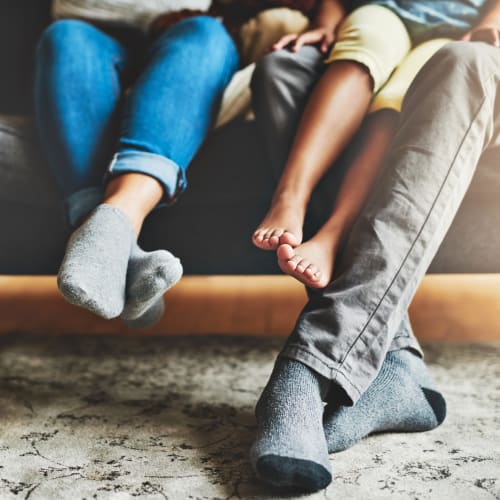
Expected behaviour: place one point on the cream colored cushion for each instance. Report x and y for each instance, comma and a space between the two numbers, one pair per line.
125, 12
392, 93
257, 36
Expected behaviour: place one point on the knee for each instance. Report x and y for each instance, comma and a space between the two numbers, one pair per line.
202, 37
477, 59
363, 42
65, 36
467, 63
454, 53
204, 31
206, 27
269, 71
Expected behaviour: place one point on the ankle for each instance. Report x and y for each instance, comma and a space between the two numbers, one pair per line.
291, 199
134, 214
328, 237
135, 195
336, 230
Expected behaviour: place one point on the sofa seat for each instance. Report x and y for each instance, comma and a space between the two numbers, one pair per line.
230, 186
230, 287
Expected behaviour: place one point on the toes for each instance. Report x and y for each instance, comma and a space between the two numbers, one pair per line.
319, 283
292, 263
264, 238
288, 238
270, 239
267, 238
274, 238
302, 266
276, 233
319, 280
312, 273
285, 252
273, 242
258, 236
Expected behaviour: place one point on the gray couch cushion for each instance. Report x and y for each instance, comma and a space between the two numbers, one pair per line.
209, 228
21, 23
230, 186
24, 175
472, 244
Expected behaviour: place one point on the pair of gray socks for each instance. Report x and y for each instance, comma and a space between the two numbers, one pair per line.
295, 431
106, 272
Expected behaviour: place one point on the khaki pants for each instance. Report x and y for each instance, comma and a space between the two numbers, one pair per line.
450, 125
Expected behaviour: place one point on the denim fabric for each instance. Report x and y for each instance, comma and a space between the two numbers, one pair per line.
87, 112
450, 117
82, 202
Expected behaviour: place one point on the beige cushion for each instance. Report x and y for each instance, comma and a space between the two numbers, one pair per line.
126, 12
257, 36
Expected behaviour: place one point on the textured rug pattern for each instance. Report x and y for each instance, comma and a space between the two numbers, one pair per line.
172, 418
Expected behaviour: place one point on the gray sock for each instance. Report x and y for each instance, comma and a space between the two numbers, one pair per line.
149, 276
93, 272
403, 397
151, 316
290, 450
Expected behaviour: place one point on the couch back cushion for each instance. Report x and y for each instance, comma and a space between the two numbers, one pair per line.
21, 23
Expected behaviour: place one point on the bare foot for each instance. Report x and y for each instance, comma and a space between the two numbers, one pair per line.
312, 262
281, 226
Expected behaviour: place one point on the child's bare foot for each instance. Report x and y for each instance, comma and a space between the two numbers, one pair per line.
281, 226
312, 262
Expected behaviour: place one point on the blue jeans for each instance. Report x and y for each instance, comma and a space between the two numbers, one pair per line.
92, 124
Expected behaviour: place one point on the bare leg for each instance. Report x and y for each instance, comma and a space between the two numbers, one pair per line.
333, 114
312, 262
135, 195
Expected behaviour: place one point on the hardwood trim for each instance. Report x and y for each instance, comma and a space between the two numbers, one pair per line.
446, 307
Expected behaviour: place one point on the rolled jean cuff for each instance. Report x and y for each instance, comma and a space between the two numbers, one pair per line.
165, 171
82, 202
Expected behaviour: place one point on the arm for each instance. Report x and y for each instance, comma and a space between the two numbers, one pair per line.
487, 29
323, 27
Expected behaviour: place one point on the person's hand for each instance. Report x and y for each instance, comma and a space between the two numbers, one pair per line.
488, 33
322, 36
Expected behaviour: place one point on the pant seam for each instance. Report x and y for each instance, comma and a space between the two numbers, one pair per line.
407, 256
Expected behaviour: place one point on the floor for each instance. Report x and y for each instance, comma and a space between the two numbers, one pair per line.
102, 417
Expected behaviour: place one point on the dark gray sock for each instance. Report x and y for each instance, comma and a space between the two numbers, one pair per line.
403, 397
149, 276
290, 450
93, 272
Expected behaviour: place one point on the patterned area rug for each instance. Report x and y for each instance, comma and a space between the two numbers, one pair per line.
172, 418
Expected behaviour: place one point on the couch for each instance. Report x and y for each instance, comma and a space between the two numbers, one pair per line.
230, 185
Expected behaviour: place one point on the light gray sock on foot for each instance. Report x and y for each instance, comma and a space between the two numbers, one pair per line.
403, 397
151, 316
290, 450
93, 272
149, 276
